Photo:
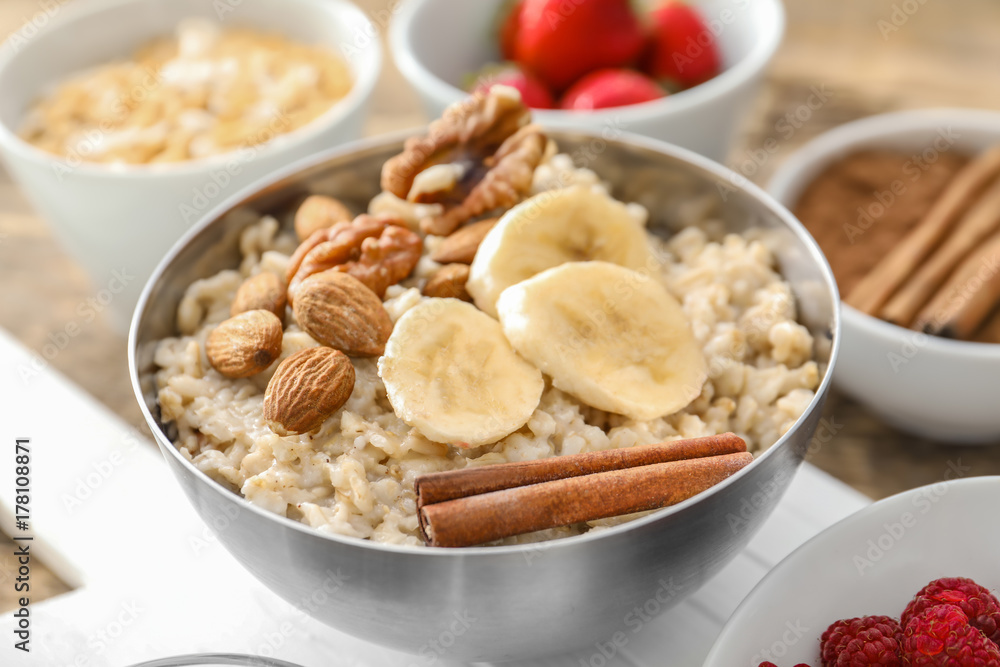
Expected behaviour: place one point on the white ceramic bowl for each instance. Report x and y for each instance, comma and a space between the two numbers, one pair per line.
437, 43
871, 563
932, 387
120, 221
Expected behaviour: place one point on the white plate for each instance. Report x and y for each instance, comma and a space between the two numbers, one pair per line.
870, 563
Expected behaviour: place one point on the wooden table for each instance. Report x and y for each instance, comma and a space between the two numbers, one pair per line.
943, 54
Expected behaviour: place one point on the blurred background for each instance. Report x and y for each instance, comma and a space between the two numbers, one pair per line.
864, 56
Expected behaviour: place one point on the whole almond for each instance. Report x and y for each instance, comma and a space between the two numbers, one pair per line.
246, 344
338, 310
462, 245
449, 282
264, 291
319, 212
306, 389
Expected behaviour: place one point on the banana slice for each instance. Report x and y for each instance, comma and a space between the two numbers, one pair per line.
450, 373
612, 337
554, 227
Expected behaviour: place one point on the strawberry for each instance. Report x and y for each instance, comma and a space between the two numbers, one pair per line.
509, 19
683, 49
611, 88
561, 40
533, 92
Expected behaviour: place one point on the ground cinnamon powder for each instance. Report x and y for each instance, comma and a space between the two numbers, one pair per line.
860, 206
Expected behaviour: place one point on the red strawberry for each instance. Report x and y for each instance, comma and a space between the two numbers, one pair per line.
533, 92
683, 50
561, 40
510, 15
611, 88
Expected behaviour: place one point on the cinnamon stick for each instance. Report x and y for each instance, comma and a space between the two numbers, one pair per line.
438, 487
872, 292
491, 516
967, 299
982, 220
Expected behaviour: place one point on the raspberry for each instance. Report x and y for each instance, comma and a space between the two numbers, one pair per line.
869, 640
977, 602
942, 637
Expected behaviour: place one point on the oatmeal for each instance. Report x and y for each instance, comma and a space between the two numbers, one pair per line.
467, 380
206, 91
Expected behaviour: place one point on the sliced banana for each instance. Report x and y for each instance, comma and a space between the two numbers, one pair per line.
572, 224
612, 337
450, 373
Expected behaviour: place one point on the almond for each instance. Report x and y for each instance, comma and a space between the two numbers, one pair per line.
319, 212
246, 344
462, 245
264, 291
338, 310
306, 389
449, 282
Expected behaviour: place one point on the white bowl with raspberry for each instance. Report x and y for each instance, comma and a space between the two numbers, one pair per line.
879, 562
437, 44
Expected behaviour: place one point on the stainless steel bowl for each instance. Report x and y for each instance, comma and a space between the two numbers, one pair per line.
512, 602
216, 660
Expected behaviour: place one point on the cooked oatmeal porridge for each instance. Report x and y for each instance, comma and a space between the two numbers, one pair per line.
353, 474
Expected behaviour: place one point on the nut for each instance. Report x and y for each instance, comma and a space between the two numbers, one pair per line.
483, 153
462, 245
246, 344
449, 282
319, 212
479, 124
377, 251
505, 184
336, 309
264, 291
306, 389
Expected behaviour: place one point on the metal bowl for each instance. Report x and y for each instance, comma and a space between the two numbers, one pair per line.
509, 602
216, 660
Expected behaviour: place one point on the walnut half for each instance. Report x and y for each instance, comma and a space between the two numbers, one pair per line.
377, 251
478, 157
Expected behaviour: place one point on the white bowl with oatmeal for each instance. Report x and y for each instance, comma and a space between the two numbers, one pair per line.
122, 143
317, 475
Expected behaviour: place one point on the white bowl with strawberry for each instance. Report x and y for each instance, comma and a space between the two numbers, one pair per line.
683, 72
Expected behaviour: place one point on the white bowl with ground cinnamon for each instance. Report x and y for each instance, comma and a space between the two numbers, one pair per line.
906, 206
125, 121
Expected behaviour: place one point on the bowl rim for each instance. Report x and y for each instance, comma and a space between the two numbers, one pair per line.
692, 159
818, 543
201, 659
366, 75
882, 130
710, 91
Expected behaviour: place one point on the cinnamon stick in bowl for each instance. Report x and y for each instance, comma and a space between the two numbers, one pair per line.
620, 485
981, 221
451, 484
872, 292
959, 308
